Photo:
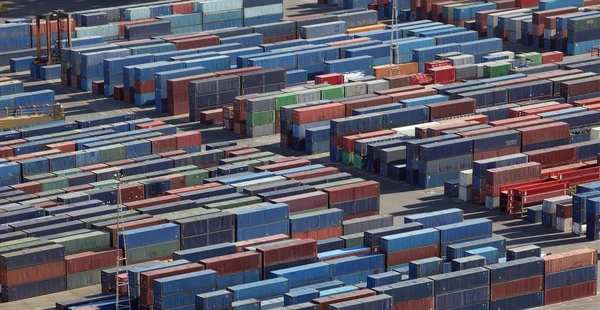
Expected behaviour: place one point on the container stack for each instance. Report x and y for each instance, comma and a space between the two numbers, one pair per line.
92, 65
317, 225
462, 232
147, 280
517, 284
498, 177
155, 242
356, 200
479, 172
549, 210
220, 14
410, 294
261, 221
210, 93
354, 269
160, 84
143, 80
570, 275
444, 160
183, 23
84, 269
465, 183
401, 249
451, 288
207, 230
179, 291
582, 34
113, 70
592, 219
258, 12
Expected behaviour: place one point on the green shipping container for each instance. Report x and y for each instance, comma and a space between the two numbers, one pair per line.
347, 158
54, 184
195, 177
49, 194
583, 23
178, 215
265, 160
332, 92
496, 69
25, 245
359, 162
155, 251
309, 210
106, 183
556, 81
235, 203
83, 279
71, 171
183, 169
260, 118
338, 183
107, 217
353, 240
533, 56
285, 100
17, 241
260, 155
112, 153
84, 242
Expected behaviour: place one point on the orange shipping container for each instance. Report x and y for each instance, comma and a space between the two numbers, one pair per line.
134, 225
413, 94
366, 28
318, 113
241, 245
348, 141
570, 260
33, 273
91, 260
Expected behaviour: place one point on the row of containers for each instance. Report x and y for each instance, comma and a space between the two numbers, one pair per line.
318, 274
560, 197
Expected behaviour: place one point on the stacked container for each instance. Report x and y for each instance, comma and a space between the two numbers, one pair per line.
207, 230
153, 242
210, 93
497, 177
179, 291
444, 160
402, 248
570, 275
462, 232
517, 284
479, 172
317, 225
261, 221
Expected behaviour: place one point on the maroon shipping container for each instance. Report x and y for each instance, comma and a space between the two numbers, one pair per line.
586, 102
533, 123
318, 113
143, 87
187, 36
443, 75
234, 148
517, 112
133, 225
552, 108
46, 204
98, 87
186, 44
515, 81
517, 287
6, 151
91, 260
177, 180
496, 153
93, 167
552, 157
292, 251
351, 105
570, 292
547, 132
399, 81
77, 188
348, 141
181, 84
564, 210
244, 152
63, 147
480, 132
402, 89
324, 302
191, 188
556, 73
283, 160
241, 245
451, 108
312, 173
233, 263
239, 106
121, 162
284, 165
320, 234
13, 142
131, 192
211, 117
417, 304
305, 201
238, 71
570, 260
406, 256
538, 17
33, 273
351, 192
151, 202
172, 153
436, 130
29, 187
163, 144
496, 177
147, 278
118, 92
580, 87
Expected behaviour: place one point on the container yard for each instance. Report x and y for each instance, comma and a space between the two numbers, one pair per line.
269, 154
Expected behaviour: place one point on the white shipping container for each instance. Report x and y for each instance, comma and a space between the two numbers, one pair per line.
466, 178
264, 10
465, 193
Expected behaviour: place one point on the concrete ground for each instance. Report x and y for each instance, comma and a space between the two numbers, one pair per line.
397, 198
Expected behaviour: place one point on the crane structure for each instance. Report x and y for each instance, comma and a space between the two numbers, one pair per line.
121, 259
394, 38
59, 16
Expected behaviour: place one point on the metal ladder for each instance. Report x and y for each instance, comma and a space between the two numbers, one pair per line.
121, 261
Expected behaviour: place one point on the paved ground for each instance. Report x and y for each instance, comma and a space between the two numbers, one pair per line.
397, 198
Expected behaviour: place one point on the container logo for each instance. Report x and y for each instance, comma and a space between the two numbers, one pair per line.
512, 142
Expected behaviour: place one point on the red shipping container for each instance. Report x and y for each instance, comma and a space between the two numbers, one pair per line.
91, 260
238, 71
556, 156
580, 87
182, 7
497, 153
538, 17
131, 192
347, 42
163, 144
352, 105
547, 132
53, 27
564, 210
521, 119
13, 142
399, 81
451, 108
134, 205
331, 79
413, 94
570, 292
239, 106
305, 201
241, 245
284, 166
147, 278
417, 304
98, 87
292, 251
6, 151
177, 180
283, 160
233, 263
187, 139
230, 149
320, 234
437, 63
191, 188
586, 102
570, 260
77, 188
118, 93
406, 256
556, 171
93, 167
318, 113
128, 95
143, 87
484, 131
187, 36
516, 81
496, 177
133, 225
178, 108
351, 192
29, 187
399, 89
211, 117
312, 174
436, 130
517, 287
480, 118
185, 44
150, 125
547, 109
538, 122
46, 204
33, 273
181, 84
324, 302
64, 147
244, 152
348, 141
172, 153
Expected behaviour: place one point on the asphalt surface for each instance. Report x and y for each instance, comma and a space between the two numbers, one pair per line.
397, 198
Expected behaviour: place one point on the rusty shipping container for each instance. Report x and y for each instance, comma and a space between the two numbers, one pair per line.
545, 132
292, 251
451, 108
533, 123
302, 202
324, 302
353, 191
580, 87
479, 132
510, 174
33, 273
352, 105
552, 157
570, 260
570, 292
404, 257
320, 234
517, 287
91, 260
318, 113
233, 263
